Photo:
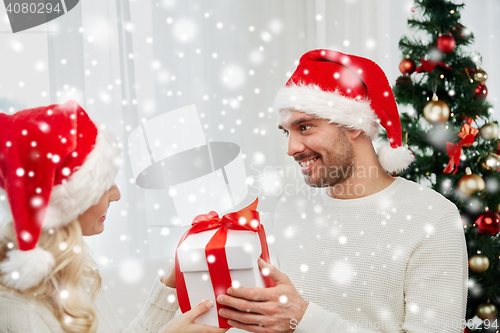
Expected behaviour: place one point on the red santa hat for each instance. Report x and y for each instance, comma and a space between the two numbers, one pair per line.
351, 91
54, 165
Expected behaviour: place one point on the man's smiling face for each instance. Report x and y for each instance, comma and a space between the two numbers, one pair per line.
324, 151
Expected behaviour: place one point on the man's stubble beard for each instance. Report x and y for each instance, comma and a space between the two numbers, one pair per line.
335, 168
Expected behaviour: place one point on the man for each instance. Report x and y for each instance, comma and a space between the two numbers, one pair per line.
361, 250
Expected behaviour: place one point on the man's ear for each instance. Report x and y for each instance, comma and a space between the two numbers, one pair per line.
355, 134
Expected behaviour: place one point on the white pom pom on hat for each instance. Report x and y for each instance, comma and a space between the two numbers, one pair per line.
54, 165
395, 159
351, 91
26, 269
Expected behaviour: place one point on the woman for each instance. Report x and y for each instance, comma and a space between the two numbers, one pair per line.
57, 173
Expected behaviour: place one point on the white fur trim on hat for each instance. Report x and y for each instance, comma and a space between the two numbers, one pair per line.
85, 186
25, 269
354, 114
394, 159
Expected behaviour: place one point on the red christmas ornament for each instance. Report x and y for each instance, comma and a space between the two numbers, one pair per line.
489, 221
407, 66
429, 65
446, 43
481, 91
459, 32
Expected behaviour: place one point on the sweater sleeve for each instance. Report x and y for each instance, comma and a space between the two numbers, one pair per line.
159, 309
20, 319
318, 320
435, 286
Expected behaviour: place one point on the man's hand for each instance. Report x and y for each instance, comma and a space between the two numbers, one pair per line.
264, 310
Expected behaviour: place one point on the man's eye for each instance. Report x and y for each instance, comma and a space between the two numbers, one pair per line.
303, 127
285, 132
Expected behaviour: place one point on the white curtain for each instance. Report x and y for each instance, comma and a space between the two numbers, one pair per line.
128, 61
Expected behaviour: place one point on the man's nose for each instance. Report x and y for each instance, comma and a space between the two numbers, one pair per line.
294, 145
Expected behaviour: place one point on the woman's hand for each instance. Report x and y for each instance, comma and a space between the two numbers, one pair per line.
169, 278
185, 322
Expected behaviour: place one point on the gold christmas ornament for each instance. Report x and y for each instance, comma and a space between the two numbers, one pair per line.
489, 163
436, 111
479, 263
470, 183
498, 208
480, 75
489, 131
487, 311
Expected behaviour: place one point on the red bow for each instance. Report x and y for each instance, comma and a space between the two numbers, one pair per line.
244, 219
429, 65
454, 150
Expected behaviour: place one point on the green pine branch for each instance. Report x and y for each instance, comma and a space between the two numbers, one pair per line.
428, 142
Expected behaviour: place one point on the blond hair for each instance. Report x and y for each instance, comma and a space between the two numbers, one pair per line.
72, 260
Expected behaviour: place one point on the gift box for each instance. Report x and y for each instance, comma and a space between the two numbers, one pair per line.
217, 253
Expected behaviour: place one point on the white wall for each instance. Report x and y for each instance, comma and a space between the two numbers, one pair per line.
125, 62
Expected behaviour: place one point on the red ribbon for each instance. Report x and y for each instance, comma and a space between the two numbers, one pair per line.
454, 150
244, 219
429, 65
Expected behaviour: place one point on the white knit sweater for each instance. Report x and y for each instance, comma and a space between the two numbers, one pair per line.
397, 257
23, 314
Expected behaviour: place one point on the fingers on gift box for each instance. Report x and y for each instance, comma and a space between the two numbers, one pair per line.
217, 253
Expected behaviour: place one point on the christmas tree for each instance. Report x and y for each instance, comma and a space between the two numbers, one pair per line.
449, 127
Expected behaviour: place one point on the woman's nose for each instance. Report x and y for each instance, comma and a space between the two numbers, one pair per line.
115, 195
